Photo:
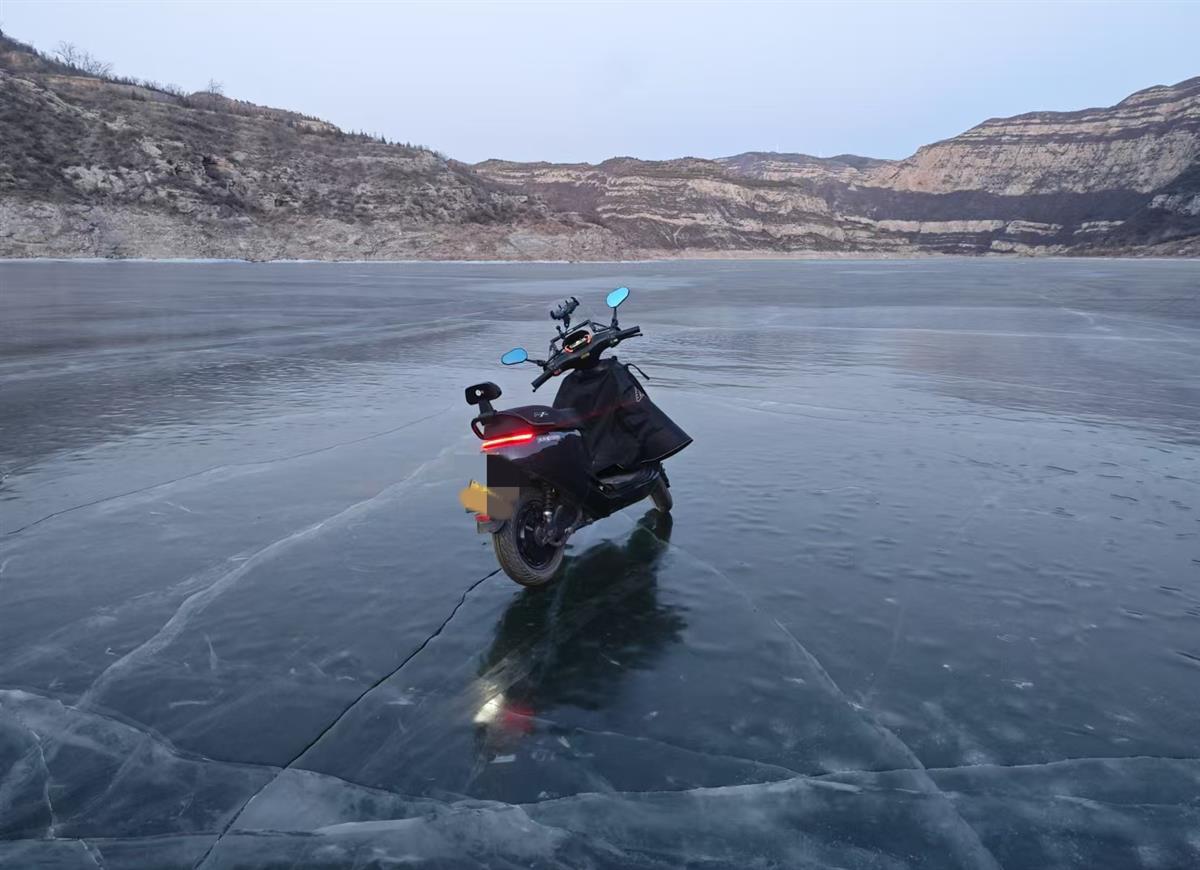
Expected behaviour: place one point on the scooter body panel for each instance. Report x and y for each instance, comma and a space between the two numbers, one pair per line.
560, 460
557, 458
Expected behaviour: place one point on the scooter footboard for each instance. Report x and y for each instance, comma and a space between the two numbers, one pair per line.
621, 490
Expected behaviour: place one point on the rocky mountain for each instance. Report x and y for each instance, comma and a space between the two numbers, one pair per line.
92, 166
97, 166
687, 205
794, 167
1114, 180
1140, 144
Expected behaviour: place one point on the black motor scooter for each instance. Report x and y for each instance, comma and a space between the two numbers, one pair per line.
553, 470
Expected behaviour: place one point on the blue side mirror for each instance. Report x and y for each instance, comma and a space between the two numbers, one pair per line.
618, 296
515, 356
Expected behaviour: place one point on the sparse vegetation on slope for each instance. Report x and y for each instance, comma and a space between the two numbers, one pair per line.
99, 165
104, 158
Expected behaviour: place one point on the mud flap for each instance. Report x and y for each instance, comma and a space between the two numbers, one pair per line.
488, 526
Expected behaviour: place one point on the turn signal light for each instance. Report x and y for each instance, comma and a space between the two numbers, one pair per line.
518, 438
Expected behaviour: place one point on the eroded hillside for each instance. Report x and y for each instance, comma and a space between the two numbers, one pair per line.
96, 166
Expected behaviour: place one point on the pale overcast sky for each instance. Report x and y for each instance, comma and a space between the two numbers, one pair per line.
581, 81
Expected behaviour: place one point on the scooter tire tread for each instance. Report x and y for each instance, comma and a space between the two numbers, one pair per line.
517, 569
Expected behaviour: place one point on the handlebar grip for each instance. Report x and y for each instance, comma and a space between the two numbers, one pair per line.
629, 333
542, 378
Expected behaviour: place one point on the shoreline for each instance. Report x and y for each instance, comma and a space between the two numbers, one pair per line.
715, 257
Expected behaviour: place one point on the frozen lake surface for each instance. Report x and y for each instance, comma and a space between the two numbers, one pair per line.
931, 596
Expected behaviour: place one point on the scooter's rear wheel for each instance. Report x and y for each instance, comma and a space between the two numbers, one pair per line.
521, 555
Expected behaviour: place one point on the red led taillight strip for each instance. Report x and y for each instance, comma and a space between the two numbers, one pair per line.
519, 438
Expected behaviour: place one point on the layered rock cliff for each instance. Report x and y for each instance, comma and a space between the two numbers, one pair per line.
1115, 180
93, 166
1142, 143
681, 205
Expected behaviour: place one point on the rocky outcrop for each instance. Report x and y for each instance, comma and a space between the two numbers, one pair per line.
680, 205
1140, 144
796, 167
1168, 223
93, 166
1110, 180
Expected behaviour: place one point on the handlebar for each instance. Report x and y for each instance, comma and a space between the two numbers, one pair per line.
550, 369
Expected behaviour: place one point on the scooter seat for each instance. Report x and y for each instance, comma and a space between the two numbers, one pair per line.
545, 417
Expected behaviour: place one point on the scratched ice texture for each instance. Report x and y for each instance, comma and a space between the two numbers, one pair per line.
930, 596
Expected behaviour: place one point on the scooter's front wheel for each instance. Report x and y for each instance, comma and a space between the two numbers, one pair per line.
518, 548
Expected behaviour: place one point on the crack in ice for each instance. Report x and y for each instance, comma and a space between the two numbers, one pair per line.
576, 729
41, 751
982, 853
233, 819
198, 601
1074, 760
227, 466
92, 853
143, 730
956, 768
165, 744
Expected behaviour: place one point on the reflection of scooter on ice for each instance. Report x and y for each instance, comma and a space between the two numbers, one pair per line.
571, 646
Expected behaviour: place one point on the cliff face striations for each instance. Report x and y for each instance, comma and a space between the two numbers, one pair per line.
93, 166
1140, 144
1115, 180
687, 204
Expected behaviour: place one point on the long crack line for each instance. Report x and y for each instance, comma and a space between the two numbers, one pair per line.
981, 852
92, 853
53, 826
166, 745
333, 724
198, 601
214, 468
570, 730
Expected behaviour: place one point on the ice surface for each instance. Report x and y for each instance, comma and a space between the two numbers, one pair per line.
158, 853
930, 596
1125, 812
96, 777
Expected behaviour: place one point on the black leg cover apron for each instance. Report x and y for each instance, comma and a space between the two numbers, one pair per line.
623, 428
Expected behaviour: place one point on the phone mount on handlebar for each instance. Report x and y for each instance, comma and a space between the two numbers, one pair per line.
563, 312
577, 348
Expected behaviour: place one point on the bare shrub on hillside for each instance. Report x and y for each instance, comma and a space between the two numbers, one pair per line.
77, 58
